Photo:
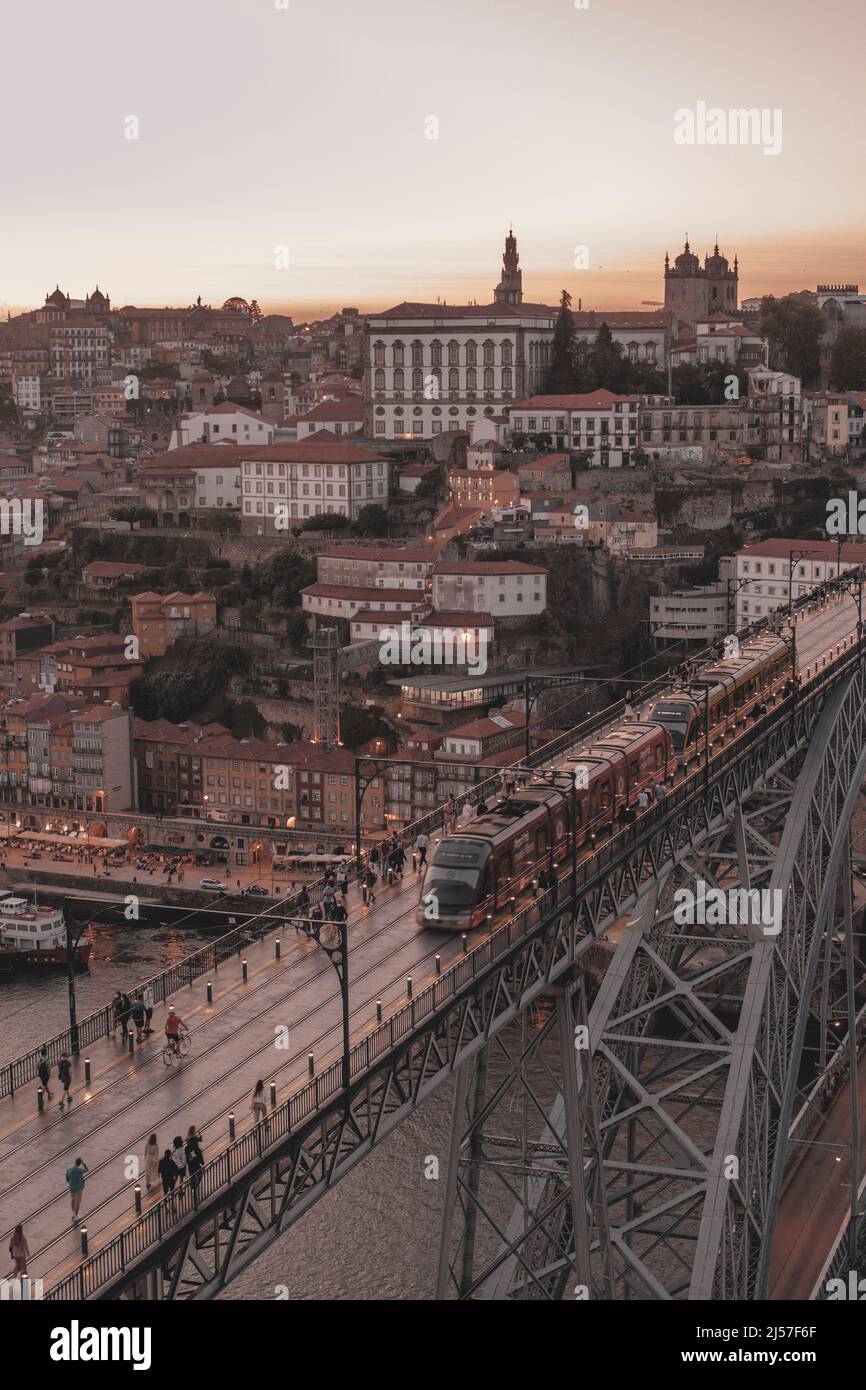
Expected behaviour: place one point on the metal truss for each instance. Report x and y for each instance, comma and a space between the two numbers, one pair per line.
658, 1178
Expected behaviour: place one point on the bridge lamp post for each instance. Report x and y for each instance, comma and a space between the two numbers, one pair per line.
794, 558
338, 955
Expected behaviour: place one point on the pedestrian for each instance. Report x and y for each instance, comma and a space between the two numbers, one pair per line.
659, 792
43, 1071
194, 1156
20, 1252
116, 1011
76, 1177
543, 884
151, 1162
147, 1001
64, 1074
328, 899
370, 884
258, 1104
344, 885
178, 1158
451, 813
138, 1017
125, 1014
481, 809
239, 883
167, 1172
421, 846
643, 800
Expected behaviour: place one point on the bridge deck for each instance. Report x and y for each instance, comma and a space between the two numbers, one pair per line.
234, 1043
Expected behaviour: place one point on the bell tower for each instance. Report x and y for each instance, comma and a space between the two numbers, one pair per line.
510, 287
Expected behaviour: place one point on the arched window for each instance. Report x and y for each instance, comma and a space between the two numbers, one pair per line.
507, 382
436, 353
398, 379
398, 354
379, 380
417, 353
453, 379
488, 379
506, 354
471, 380
417, 379
471, 353
489, 353
378, 354
453, 353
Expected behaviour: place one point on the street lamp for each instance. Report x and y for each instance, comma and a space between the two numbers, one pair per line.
338, 955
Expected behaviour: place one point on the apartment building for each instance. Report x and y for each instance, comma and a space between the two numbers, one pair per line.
632, 531
698, 614
160, 619
770, 571
825, 423
339, 417
195, 477
486, 488
345, 600
285, 484
503, 588
375, 567
599, 424
224, 423
68, 754
550, 473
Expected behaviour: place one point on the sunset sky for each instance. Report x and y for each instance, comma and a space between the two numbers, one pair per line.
304, 128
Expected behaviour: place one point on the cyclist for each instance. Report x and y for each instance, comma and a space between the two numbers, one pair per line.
173, 1025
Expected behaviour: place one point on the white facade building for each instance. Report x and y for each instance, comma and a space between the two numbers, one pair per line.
287, 483
768, 571
225, 422
27, 391
599, 423
502, 588
699, 614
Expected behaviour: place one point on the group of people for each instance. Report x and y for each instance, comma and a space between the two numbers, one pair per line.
386, 861
135, 1010
64, 1076
184, 1160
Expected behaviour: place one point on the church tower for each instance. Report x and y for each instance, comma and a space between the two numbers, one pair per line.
694, 291
510, 287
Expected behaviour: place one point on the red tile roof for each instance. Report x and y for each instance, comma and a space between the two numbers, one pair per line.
486, 567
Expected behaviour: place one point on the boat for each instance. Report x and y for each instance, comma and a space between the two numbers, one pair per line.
33, 938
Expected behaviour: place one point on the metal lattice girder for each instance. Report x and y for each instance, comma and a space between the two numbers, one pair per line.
697, 1034
508, 973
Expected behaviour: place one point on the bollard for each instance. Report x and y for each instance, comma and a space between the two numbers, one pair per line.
311, 1064
231, 1124
438, 965
130, 1040
244, 964
465, 943
512, 903
84, 1240
209, 992
40, 1100
87, 1071
378, 1010
277, 949
273, 1093
137, 1191
409, 986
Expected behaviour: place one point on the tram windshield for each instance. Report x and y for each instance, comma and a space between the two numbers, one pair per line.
675, 718
454, 872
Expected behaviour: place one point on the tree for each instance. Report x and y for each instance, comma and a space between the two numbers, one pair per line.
563, 376
326, 521
607, 367
297, 630
133, 514
793, 329
372, 521
848, 362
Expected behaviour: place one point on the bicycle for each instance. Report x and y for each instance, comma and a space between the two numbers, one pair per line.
171, 1054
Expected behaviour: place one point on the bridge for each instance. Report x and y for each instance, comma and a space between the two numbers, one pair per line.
672, 1153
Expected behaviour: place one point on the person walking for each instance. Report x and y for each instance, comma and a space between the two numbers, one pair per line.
178, 1158
344, 885
194, 1156
329, 898
167, 1172
151, 1162
76, 1177
643, 800
116, 1011
64, 1075
138, 1017
147, 1001
421, 846
258, 1103
20, 1252
370, 886
43, 1071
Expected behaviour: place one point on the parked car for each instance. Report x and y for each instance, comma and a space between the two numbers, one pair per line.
212, 883
257, 890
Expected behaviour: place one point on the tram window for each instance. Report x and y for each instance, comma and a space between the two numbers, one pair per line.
486, 885
503, 867
632, 773
693, 731
659, 755
605, 797
541, 841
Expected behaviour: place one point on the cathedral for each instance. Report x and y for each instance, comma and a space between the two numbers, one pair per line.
694, 292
